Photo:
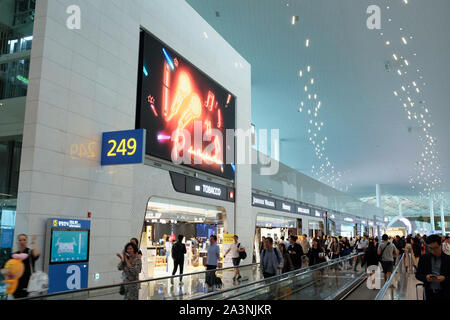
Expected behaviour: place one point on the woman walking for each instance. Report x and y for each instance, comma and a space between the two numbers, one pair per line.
131, 265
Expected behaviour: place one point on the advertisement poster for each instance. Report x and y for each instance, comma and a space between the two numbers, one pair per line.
228, 240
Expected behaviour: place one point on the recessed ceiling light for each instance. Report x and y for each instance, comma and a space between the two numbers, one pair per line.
307, 43
294, 19
300, 73
404, 40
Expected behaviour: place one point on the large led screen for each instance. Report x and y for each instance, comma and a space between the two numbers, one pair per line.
69, 246
186, 113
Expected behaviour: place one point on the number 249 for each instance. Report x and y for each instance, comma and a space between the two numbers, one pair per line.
123, 147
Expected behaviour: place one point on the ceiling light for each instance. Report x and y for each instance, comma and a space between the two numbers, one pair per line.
301, 73
388, 43
404, 40
406, 62
395, 56
294, 19
395, 93
307, 43
399, 72
308, 68
312, 80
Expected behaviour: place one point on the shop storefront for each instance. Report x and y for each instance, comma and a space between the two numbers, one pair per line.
274, 226
166, 219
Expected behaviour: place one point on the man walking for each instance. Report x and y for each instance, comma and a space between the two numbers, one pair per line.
386, 251
212, 259
178, 252
434, 270
361, 247
295, 252
271, 259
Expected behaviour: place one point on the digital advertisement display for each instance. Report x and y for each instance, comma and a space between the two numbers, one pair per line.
69, 246
204, 231
186, 113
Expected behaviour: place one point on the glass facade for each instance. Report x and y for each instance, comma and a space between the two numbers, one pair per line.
16, 35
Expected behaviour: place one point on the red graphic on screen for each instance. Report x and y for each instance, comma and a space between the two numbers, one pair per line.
182, 105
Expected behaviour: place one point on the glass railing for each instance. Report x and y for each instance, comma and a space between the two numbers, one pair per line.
188, 286
396, 287
319, 282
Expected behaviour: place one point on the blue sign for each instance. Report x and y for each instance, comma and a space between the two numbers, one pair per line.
123, 147
68, 247
71, 223
67, 277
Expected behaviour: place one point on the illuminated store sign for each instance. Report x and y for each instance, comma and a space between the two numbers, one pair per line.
185, 112
198, 187
349, 220
303, 210
318, 214
259, 201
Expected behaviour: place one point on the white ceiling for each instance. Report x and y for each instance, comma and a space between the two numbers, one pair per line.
370, 139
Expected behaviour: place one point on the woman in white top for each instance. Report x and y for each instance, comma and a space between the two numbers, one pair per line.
235, 249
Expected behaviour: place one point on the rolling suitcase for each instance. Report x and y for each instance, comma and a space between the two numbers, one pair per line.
423, 291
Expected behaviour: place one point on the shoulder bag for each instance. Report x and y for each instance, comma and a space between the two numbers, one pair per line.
38, 282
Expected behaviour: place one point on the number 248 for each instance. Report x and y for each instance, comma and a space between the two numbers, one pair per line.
124, 147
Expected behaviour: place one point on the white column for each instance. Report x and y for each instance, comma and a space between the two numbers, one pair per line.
442, 217
431, 213
378, 194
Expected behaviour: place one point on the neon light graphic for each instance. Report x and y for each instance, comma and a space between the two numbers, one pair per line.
163, 137
210, 101
145, 72
228, 99
152, 106
219, 121
169, 59
192, 112
184, 89
166, 89
208, 127
204, 156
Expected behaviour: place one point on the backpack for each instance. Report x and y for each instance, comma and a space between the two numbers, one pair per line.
242, 254
382, 251
276, 253
177, 251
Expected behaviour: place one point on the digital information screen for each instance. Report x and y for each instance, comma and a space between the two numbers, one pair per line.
69, 246
174, 98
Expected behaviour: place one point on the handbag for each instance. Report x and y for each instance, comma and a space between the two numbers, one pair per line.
242, 254
38, 282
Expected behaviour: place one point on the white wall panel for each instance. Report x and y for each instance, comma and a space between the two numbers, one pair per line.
85, 84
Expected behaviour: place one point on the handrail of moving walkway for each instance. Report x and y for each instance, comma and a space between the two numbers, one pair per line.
134, 282
285, 276
387, 285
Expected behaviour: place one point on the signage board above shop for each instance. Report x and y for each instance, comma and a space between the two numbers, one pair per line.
279, 205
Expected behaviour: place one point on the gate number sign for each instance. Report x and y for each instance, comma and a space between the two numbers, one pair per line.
123, 147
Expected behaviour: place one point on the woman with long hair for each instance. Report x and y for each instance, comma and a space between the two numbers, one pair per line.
416, 252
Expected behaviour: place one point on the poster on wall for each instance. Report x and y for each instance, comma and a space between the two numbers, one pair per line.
185, 112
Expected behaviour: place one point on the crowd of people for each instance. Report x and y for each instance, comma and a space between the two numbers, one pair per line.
427, 257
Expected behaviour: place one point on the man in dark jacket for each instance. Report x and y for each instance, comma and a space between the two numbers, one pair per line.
295, 252
178, 252
434, 270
